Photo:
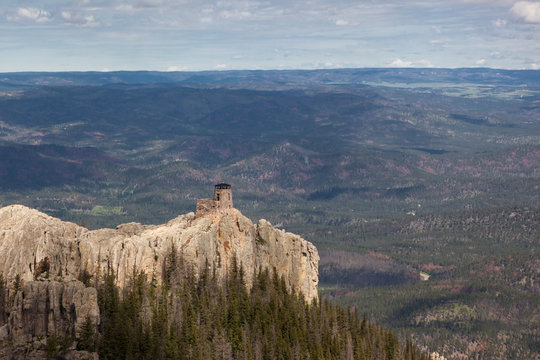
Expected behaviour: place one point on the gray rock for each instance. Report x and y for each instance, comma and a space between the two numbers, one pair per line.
49, 255
27, 237
44, 308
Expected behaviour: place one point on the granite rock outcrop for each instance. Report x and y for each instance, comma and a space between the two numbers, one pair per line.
46, 256
28, 238
42, 308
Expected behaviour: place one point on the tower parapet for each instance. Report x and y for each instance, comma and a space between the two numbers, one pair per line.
222, 200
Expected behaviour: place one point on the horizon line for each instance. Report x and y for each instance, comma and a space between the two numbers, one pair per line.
263, 70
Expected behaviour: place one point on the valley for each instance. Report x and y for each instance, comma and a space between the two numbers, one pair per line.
389, 172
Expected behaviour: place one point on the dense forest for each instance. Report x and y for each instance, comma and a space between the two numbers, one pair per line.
480, 289
197, 317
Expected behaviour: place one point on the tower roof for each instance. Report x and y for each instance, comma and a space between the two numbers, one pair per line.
222, 186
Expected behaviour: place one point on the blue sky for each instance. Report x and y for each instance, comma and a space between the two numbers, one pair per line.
56, 35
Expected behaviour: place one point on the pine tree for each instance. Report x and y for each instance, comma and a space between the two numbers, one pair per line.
85, 336
199, 318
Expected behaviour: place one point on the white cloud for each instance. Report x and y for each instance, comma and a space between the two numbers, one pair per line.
177, 68
221, 66
79, 20
398, 63
527, 10
31, 14
480, 62
534, 66
273, 33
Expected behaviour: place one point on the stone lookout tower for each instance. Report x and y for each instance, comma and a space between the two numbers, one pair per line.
222, 200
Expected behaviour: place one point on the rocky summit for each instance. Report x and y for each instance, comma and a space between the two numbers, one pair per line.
47, 256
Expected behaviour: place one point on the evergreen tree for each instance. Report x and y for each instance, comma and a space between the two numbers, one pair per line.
198, 318
85, 336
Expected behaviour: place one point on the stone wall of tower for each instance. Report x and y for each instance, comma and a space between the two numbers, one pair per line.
223, 198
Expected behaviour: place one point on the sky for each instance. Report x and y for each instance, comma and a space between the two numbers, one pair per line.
191, 35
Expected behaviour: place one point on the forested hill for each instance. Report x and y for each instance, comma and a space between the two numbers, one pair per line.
392, 173
188, 317
198, 319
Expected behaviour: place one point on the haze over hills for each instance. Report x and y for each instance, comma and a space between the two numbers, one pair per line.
408, 170
525, 80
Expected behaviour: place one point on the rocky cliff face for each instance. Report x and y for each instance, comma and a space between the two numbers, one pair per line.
51, 307
44, 308
48, 255
31, 242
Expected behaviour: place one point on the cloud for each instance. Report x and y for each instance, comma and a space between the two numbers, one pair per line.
79, 20
177, 68
30, 14
481, 62
398, 63
341, 22
221, 66
527, 10
500, 22
329, 64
